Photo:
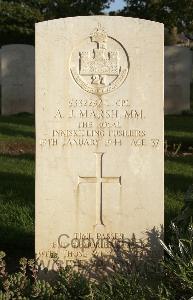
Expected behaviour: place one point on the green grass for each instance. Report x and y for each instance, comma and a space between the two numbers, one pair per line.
191, 95
179, 168
178, 177
19, 127
16, 201
17, 184
179, 129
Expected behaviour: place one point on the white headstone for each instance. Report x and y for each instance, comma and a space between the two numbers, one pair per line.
99, 118
178, 69
17, 79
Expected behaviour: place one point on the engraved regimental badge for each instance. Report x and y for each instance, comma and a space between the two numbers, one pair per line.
101, 64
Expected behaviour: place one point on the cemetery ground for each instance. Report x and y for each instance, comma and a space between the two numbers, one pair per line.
17, 182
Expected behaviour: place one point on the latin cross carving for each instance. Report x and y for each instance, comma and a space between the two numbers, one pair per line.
99, 180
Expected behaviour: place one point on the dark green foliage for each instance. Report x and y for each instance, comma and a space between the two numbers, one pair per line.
176, 15
18, 17
121, 286
178, 262
186, 214
72, 285
17, 22
25, 283
172, 13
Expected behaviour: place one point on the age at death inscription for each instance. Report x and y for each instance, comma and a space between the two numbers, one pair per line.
96, 126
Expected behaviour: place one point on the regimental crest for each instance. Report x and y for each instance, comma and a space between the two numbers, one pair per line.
102, 65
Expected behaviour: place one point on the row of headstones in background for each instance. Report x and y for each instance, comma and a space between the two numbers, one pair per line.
18, 79
178, 75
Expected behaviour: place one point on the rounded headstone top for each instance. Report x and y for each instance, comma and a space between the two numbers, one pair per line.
100, 17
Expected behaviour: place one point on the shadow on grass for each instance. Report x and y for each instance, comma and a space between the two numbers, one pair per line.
24, 156
16, 243
174, 182
183, 177
15, 186
13, 132
178, 178
17, 195
188, 160
179, 123
17, 214
185, 142
19, 119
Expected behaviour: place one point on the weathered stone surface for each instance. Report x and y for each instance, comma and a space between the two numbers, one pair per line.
99, 130
0, 68
178, 72
17, 79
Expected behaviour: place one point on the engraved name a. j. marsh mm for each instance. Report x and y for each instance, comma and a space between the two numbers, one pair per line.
98, 70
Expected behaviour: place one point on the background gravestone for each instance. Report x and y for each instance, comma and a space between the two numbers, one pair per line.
178, 70
99, 134
17, 79
0, 80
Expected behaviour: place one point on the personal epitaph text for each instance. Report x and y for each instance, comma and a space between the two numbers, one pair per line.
99, 135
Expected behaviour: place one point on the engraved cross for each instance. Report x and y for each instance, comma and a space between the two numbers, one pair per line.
99, 180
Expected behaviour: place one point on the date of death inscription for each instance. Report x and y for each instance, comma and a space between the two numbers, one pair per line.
95, 123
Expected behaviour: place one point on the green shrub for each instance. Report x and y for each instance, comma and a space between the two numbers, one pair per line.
178, 262
131, 277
